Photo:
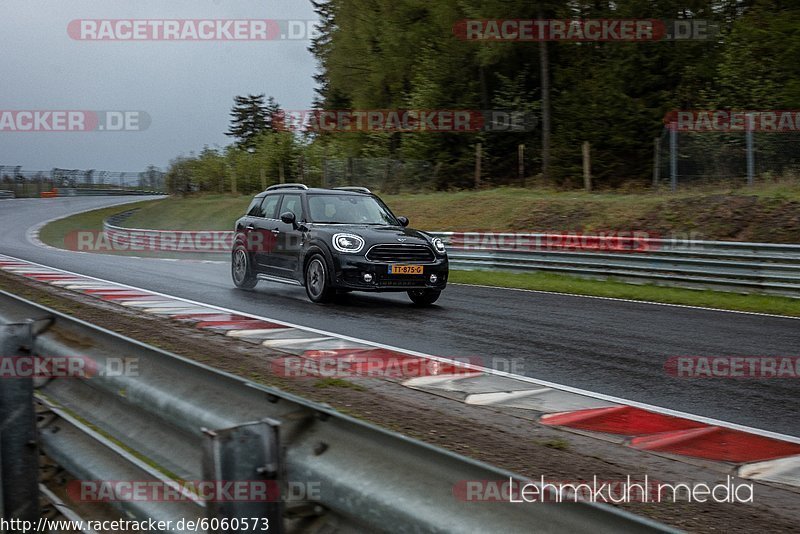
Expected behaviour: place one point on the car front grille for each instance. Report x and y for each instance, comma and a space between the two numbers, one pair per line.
401, 254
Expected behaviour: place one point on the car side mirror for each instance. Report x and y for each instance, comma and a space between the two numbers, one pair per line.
288, 218
403, 220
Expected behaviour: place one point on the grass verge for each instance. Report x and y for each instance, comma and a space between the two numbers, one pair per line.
647, 292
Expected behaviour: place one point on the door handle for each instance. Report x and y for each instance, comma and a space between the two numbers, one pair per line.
250, 227
276, 231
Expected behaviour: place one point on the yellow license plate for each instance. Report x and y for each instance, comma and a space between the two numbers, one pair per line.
405, 269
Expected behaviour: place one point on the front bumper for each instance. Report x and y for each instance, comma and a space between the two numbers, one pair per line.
349, 274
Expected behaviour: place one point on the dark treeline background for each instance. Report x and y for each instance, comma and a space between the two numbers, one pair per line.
403, 54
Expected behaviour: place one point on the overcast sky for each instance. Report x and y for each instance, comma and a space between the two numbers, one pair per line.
186, 88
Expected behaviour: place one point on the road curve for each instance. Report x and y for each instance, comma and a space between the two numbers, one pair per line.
612, 347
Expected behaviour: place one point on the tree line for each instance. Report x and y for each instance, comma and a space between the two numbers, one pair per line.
403, 54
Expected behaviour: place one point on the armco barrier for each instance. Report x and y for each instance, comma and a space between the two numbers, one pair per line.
82, 192
180, 420
722, 265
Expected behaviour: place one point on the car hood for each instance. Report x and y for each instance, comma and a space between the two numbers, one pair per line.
377, 234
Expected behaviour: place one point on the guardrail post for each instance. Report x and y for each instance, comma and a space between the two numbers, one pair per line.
246, 453
19, 454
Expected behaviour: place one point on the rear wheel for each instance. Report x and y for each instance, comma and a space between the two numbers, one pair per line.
241, 270
424, 297
318, 287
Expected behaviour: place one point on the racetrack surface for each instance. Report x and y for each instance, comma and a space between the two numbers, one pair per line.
613, 347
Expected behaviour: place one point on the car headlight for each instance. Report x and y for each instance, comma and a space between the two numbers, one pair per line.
348, 243
438, 244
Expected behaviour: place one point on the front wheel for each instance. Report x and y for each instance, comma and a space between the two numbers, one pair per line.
241, 270
424, 297
318, 287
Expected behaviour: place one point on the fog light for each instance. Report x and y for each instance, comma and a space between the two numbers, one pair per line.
433, 278
367, 278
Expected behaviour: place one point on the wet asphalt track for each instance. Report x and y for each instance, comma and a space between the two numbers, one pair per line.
611, 347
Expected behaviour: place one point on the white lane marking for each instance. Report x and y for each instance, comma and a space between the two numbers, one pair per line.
546, 383
256, 333
177, 310
616, 299
293, 341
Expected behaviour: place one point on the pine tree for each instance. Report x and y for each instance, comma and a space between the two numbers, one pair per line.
249, 117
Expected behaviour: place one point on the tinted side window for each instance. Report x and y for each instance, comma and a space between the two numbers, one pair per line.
270, 206
294, 204
253, 210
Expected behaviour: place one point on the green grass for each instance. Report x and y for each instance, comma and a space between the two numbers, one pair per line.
609, 288
53, 233
206, 212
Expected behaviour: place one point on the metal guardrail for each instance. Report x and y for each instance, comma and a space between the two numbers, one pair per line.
7, 194
84, 191
176, 419
724, 265
755, 267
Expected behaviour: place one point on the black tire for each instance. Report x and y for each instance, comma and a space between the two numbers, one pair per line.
318, 285
241, 269
424, 297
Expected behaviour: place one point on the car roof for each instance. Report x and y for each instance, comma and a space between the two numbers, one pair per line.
314, 190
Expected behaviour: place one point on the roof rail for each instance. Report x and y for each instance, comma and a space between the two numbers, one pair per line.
354, 188
287, 186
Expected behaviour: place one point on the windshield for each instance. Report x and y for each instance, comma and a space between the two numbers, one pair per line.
349, 209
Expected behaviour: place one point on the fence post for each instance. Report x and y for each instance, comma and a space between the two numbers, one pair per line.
263, 179
521, 164
750, 153
19, 454
280, 172
587, 166
656, 161
673, 155
478, 150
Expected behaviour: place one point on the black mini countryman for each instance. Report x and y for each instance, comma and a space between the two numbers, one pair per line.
335, 240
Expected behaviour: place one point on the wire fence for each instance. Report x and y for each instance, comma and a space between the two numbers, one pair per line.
382, 174
30, 183
684, 159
